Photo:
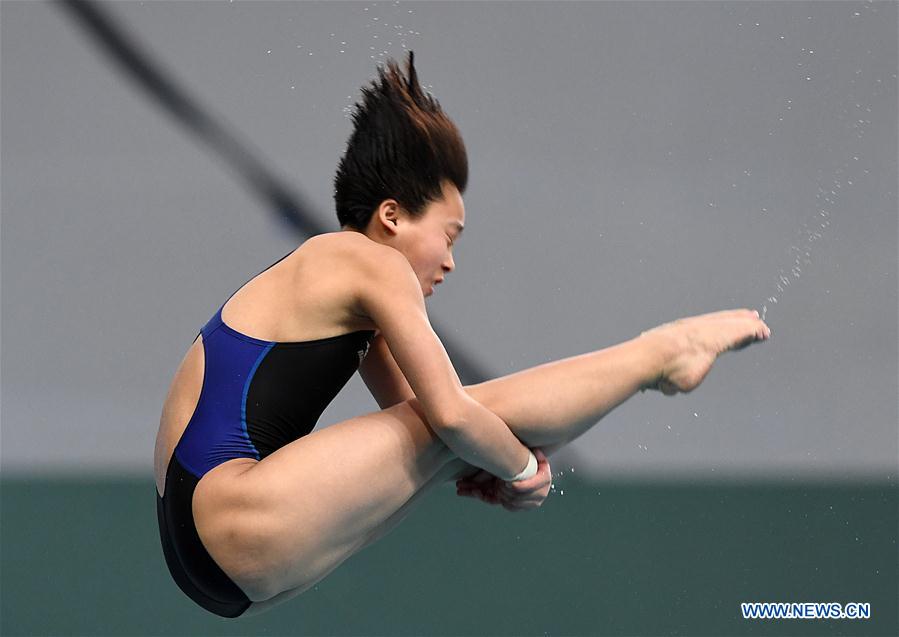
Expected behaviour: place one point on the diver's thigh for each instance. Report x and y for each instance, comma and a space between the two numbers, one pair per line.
322, 495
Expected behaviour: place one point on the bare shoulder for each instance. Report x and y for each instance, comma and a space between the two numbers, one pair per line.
353, 246
350, 248
370, 270
356, 254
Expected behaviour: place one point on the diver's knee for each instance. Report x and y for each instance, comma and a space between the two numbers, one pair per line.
484, 393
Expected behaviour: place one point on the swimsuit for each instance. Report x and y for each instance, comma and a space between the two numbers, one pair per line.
257, 396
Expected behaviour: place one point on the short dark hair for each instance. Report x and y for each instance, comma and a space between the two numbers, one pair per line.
403, 146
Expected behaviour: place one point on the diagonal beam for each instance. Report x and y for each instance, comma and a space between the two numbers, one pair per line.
288, 205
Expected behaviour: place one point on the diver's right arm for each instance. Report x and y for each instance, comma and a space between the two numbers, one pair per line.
390, 295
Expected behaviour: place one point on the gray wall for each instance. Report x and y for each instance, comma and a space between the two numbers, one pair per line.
631, 163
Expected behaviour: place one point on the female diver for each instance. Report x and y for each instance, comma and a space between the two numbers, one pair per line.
255, 507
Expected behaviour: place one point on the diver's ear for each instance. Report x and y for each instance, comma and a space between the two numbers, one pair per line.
388, 213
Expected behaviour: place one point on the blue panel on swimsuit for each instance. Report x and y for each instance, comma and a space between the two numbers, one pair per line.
217, 430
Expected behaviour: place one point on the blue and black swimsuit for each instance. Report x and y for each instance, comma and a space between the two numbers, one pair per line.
257, 396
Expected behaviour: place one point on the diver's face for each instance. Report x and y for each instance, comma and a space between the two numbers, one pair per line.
427, 241
432, 236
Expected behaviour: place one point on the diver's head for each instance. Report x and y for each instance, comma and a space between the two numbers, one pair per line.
426, 239
401, 179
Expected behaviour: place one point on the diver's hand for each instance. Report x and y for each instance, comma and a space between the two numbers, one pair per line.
513, 496
481, 485
522, 495
695, 343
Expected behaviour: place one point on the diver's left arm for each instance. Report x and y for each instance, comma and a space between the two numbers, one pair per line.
382, 376
388, 386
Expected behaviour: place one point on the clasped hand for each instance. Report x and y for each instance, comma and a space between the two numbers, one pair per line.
513, 496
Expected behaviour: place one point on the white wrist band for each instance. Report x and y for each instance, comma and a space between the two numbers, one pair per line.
529, 471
